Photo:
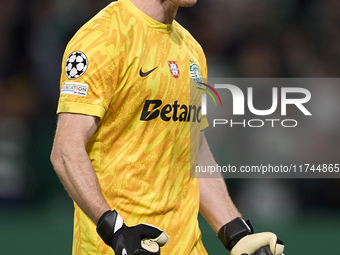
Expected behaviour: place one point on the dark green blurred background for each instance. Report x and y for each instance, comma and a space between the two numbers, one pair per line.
244, 38
48, 230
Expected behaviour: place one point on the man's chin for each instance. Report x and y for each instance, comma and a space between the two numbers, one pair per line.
185, 3
190, 4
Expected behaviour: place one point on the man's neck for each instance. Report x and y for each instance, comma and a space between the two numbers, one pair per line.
161, 10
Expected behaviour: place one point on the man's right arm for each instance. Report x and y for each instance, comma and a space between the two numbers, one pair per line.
73, 166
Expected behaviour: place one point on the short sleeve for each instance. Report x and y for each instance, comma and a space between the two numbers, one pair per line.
89, 74
204, 122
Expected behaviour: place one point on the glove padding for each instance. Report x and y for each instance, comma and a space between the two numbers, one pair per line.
237, 236
258, 244
141, 239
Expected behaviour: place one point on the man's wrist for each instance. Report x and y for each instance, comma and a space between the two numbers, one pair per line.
108, 224
233, 231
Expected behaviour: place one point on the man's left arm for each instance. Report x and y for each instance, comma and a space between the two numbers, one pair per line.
216, 205
218, 209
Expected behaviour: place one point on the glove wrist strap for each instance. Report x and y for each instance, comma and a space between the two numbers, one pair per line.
108, 224
233, 231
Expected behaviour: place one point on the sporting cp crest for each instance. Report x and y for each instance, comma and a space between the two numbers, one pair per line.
174, 70
195, 74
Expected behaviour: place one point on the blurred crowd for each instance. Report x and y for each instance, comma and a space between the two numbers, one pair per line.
243, 38
277, 38
33, 36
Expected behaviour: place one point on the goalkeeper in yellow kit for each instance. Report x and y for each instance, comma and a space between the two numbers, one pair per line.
130, 130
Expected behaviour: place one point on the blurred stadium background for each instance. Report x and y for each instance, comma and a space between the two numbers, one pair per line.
243, 38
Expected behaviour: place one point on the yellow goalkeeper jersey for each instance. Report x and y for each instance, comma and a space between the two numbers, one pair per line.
135, 74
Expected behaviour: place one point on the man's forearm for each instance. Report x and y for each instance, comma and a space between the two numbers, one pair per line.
215, 203
78, 177
73, 165
218, 209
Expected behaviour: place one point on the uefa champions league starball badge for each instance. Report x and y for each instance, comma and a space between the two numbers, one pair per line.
76, 65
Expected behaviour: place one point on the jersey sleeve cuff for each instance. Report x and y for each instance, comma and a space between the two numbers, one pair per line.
81, 108
204, 123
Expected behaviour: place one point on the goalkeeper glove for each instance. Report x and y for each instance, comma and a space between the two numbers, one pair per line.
141, 239
239, 238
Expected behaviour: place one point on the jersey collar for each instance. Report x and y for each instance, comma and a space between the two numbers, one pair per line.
146, 19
